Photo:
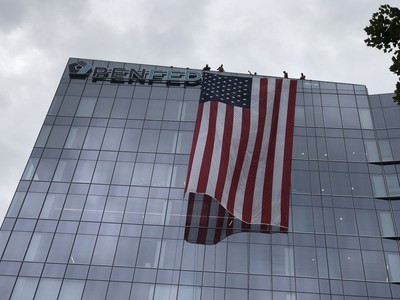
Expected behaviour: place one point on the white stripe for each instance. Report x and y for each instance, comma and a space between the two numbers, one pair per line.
259, 186
244, 173
279, 155
215, 160
237, 125
199, 151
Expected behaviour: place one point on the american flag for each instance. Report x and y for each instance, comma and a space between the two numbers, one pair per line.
241, 157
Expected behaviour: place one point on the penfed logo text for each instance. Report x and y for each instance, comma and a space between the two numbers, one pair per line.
82, 70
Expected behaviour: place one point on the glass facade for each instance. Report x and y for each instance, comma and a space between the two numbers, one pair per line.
100, 211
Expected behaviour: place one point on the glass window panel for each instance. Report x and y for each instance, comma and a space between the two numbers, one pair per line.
171, 253
48, 289
184, 144
123, 173
30, 168
193, 257
371, 150
355, 150
299, 119
43, 135
179, 176
282, 260
385, 149
138, 109
39, 247
365, 118
73, 207
125, 91
134, 211
189, 292
305, 261
173, 110
86, 107
155, 211
351, 264
120, 108
360, 184
333, 263
149, 140
393, 266
126, 253
300, 182
374, 265
330, 100
114, 210
345, 221
65, 170
189, 111
112, 139
347, 100
391, 117
149, 252
103, 107
155, 110
32, 205
340, 183
120, 290
68, 106
165, 292
167, 142
393, 184
260, 259
105, 250
45, 169
367, 222
309, 116
103, 172
386, 223
25, 288
52, 206
161, 175
94, 207
350, 118
336, 149
76, 137
94, 138
71, 289
17, 245
130, 140
57, 136
332, 117
95, 290
83, 249
378, 185
302, 219
142, 174
61, 248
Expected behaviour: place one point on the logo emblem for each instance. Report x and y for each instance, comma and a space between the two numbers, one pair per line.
81, 69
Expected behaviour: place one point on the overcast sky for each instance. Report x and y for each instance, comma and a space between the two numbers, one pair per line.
323, 39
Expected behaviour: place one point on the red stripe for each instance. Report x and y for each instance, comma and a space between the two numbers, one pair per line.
189, 214
224, 160
244, 139
268, 179
251, 179
287, 159
204, 218
194, 142
208, 150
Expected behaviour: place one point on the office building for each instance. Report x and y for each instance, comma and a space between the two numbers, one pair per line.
100, 210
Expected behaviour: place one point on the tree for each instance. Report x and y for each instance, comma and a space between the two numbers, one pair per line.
384, 34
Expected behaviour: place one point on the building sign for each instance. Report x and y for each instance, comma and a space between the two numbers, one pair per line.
82, 70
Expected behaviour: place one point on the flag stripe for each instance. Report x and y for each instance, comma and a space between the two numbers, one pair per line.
208, 150
194, 142
288, 155
251, 179
244, 139
268, 178
204, 218
224, 158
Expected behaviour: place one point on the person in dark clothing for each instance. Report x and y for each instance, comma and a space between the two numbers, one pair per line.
285, 74
206, 68
302, 77
221, 68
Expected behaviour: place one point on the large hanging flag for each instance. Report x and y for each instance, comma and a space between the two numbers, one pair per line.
241, 157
